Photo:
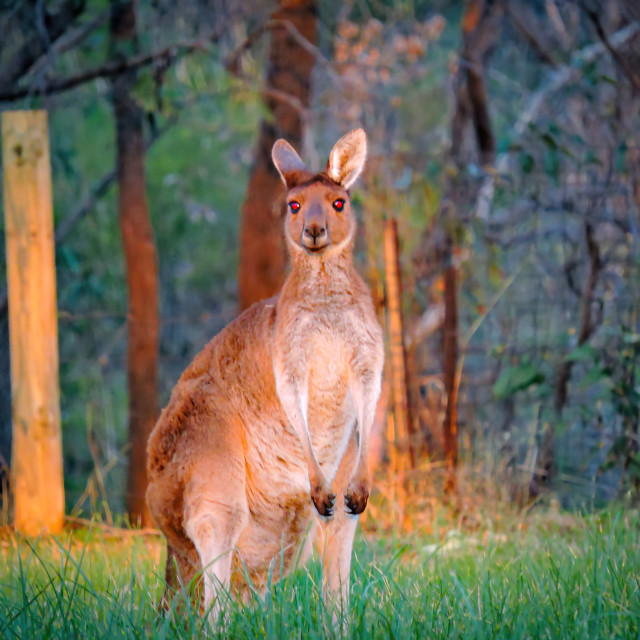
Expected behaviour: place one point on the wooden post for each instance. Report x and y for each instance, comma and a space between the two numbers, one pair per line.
402, 407
450, 358
37, 479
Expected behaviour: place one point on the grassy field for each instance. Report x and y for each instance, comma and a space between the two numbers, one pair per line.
546, 576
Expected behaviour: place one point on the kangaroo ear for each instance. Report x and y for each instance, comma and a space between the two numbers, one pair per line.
288, 162
347, 158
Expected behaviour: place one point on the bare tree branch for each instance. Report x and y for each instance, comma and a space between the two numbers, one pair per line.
427, 324
554, 81
291, 100
55, 25
66, 225
233, 61
622, 62
69, 40
587, 323
558, 23
523, 27
110, 69
116, 67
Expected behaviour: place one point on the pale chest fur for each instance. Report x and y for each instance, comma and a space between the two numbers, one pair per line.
323, 344
322, 341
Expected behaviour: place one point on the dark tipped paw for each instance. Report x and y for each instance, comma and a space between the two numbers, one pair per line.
324, 501
355, 500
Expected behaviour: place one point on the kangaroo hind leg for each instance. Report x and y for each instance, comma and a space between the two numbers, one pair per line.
179, 580
335, 542
216, 513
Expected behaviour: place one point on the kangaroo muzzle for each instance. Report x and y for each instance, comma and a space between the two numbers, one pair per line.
315, 233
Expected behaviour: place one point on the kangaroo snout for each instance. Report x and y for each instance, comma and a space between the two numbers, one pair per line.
315, 236
315, 231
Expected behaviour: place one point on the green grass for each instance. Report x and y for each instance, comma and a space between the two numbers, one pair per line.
554, 577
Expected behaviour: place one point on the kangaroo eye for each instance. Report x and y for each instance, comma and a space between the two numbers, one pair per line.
338, 204
294, 206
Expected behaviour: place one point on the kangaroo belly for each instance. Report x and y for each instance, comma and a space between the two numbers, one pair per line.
277, 540
331, 415
330, 428
280, 509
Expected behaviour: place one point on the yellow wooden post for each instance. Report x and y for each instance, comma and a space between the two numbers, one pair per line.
402, 407
37, 479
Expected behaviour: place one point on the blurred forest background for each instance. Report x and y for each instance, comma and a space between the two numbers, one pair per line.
504, 152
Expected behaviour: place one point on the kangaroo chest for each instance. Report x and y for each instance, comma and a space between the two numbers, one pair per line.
322, 348
323, 344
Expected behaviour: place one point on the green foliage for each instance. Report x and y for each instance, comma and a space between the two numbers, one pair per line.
558, 576
517, 378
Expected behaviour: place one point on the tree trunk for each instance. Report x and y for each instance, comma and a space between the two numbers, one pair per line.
141, 265
479, 32
262, 249
546, 465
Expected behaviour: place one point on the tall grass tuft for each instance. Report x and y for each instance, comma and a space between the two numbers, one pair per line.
574, 577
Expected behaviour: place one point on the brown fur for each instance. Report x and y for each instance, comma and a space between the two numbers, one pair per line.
262, 425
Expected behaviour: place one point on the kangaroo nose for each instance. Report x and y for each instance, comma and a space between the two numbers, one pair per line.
314, 231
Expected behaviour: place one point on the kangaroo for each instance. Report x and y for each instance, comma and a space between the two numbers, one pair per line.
272, 418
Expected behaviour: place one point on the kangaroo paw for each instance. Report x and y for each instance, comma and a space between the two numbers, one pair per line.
355, 499
323, 501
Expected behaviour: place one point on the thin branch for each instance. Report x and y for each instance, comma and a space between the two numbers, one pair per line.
309, 47
623, 63
117, 67
69, 40
33, 48
66, 225
506, 283
233, 64
427, 324
558, 23
529, 34
281, 96
554, 81
102, 186
108, 70
41, 27
63, 229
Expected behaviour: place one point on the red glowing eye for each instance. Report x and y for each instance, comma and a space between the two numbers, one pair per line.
338, 204
294, 206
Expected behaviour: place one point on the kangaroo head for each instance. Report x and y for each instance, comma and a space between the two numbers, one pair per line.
319, 214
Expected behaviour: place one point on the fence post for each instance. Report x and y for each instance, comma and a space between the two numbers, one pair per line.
450, 365
37, 478
402, 406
